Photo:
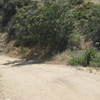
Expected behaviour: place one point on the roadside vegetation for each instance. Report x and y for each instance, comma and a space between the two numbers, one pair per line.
89, 57
53, 26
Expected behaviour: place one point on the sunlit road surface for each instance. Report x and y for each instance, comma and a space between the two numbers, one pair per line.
27, 81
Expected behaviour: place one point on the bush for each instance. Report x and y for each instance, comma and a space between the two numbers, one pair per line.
85, 59
48, 26
89, 55
96, 62
77, 61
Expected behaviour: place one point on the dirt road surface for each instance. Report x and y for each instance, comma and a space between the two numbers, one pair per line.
27, 81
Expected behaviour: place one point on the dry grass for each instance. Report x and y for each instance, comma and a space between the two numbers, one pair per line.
95, 1
61, 58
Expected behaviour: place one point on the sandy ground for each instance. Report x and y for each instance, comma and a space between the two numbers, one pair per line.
27, 81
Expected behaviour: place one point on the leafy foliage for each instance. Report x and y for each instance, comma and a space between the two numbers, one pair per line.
96, 62
77, 61
52, 24
85, 59
48, 26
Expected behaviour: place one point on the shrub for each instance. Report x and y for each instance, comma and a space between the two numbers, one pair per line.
77, 61
48, 26
89, 55
85, 59
96, 62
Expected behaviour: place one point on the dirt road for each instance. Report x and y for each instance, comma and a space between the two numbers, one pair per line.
27, 81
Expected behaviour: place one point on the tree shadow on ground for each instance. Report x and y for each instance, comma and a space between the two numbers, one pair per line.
23, 62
